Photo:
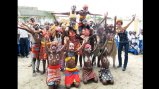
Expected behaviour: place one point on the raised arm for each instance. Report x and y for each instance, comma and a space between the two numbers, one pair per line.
97, 43
94, 14
129, 23
26, 29
105, 18
78, 12
30, 30
39, 31
84, 42
115, 24
104, 44
65, 13
66, 43
46, 47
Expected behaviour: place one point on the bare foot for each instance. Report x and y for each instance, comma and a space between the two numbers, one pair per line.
85, 81
76, 84
112, 81
96, 79
68, 86
104, 82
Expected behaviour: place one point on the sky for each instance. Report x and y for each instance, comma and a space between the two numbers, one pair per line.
119, 8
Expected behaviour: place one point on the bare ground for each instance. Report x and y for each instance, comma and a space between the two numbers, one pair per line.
132, 78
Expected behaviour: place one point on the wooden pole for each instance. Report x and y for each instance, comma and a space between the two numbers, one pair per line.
115, 24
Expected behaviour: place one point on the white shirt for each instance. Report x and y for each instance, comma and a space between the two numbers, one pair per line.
129, 37
117, 37
133, 39
140, 37
23, 33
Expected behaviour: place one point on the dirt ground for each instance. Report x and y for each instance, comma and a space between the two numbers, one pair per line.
132, 78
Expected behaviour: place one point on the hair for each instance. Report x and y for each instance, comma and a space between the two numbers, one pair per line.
85, 6
32, 20
56, 22
36, 27
41, 26
87, 45
47, 27
120, 21
130, 32
71, 28
73, 7
54, 43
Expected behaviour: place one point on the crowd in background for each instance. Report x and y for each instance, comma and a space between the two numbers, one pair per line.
135, 42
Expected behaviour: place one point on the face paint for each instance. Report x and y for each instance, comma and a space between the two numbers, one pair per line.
87, 33
71, 46
53, 46
88, 48
71, 34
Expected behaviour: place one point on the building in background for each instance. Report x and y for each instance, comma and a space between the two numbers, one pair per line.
24, 13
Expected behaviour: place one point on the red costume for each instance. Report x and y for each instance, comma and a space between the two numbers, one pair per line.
74, 40
88, 74
35, 50
53, 75
71, 76
43, 55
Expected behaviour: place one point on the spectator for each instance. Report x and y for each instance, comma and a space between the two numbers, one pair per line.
129, 37
23, 36
134, 49
140, 36
134, 44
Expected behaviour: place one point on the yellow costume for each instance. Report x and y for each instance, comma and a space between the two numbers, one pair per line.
82, 17
47, 43
52, 30
75, 27
71, 69
68, 58
73, 17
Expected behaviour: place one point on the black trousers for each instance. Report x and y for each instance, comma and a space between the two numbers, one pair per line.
126, 47
24, 46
